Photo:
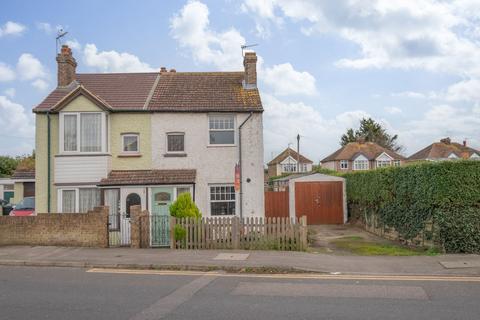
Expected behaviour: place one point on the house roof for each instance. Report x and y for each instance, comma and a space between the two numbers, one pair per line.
24, 174
148, 177
443, 149
370, 150
289, 152
162, 91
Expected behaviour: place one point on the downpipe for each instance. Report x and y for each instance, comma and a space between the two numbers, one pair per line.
240, 163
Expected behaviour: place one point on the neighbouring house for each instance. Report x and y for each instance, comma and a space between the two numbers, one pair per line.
24, 184
287, 162
7, 186
123, 139
362, 156
445, 150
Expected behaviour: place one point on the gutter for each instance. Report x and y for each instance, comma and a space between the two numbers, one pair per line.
48, 163
240, 161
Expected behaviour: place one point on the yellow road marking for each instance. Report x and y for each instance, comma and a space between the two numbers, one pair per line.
290, 275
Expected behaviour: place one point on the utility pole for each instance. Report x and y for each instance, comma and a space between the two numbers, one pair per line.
298, 152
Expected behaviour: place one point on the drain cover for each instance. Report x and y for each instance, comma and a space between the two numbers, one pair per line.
231, 256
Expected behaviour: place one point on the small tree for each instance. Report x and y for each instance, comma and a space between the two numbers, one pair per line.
183, 207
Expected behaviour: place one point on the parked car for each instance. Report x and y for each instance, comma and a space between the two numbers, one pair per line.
6, 207
26, 207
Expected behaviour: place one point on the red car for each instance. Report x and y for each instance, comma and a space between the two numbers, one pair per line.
26, 207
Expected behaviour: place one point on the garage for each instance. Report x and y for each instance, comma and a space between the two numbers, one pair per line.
320, 197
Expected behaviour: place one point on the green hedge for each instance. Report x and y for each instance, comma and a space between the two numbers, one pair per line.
406, 198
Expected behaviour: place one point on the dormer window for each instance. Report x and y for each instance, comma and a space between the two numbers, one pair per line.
82, 132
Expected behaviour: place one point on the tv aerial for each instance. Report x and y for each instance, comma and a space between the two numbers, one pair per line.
245, 46
58, 38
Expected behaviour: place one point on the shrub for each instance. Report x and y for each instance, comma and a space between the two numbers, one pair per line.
407, 198
183, 207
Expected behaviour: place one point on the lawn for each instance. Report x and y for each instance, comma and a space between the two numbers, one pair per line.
360, 246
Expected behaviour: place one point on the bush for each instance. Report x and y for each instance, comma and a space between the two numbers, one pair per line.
407, 198
183, 207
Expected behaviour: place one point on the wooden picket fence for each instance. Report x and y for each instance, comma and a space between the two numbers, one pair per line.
288, 234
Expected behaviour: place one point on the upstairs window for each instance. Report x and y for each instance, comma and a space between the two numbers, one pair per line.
290, 167
175, 142
130, 143
222, 129
344, 164
82, 132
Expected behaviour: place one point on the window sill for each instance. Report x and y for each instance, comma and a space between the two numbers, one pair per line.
129, 155
175, 155
220, 145
83, 154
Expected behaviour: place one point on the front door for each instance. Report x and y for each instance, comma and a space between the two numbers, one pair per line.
129, 197
162, 197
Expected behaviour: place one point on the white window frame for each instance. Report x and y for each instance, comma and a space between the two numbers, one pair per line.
396, 163
210, 198
383, 163
342, 163
361, 165
178, 133
77, 196
219, 115
289, 167
103, 132
128, 134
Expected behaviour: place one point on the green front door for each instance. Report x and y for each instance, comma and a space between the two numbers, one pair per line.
162, 197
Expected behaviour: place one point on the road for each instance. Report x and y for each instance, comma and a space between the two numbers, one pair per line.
70, 293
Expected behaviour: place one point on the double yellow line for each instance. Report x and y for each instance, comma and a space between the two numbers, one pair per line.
293, 276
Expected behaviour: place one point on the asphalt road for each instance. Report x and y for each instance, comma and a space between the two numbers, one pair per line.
68, 293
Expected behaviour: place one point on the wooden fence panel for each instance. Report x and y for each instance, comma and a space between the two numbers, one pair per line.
276, 204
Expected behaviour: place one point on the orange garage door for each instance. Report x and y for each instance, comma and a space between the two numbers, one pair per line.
321, 202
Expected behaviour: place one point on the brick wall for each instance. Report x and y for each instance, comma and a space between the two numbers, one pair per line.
55, 229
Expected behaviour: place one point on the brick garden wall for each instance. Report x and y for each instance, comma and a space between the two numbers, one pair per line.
55, 229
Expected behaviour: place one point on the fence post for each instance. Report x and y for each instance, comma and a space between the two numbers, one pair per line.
303, 233
235, 233
173, 221
135, 226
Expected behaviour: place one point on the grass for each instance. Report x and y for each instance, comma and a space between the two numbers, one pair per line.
358, 245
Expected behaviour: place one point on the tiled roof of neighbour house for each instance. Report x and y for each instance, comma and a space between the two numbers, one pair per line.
148, 177
24, 174
164, 91
369, 149
442, 150
285, 154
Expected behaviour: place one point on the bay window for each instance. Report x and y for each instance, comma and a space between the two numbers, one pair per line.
83, 132
78, 200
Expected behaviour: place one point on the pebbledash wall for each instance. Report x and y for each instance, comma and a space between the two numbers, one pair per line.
54, 229
214, 164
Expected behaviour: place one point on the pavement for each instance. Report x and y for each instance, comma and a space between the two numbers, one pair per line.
239, 261
76, 293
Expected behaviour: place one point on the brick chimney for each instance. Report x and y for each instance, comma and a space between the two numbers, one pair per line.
250, 65
464, 143
446, 140
66, 65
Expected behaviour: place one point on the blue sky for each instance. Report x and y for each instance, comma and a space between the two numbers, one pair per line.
412, 65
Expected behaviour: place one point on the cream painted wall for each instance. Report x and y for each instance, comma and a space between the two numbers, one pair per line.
213, 164
41, 165
81, 104
18, 192
130, 123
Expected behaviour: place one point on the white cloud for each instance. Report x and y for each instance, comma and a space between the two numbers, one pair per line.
190, 27
283, 121
283, 79
393, 110
14, 121
6, 73
113, 61
266, 12
40, 84
12, 29
30, 68
467, 90
74, 44
10, 92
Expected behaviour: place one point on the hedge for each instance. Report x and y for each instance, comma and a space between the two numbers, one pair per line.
407, 198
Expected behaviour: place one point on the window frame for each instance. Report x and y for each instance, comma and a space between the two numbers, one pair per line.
234, 129
210, 201
343, 162
355, 166
129, 134
383, 163
397, 163
175, 133
77, 197
103, 133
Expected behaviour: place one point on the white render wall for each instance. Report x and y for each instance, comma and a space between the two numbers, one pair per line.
214, 164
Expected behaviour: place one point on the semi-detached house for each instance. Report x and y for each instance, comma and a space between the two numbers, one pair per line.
120, 139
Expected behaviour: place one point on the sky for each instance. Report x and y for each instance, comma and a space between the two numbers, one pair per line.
412, 65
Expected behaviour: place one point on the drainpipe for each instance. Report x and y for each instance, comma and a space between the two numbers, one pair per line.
48, 162
240, 161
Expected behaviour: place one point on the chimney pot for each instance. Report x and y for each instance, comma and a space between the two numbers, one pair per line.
66, 67
250, 65
464, 143
173, 70
163, 69
446, 140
